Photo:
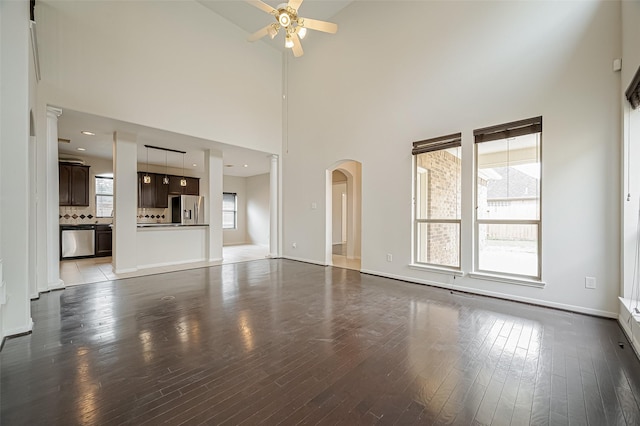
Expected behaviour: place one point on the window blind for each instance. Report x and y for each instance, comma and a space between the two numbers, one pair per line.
508, 130
633, 91
436, 144
228, 201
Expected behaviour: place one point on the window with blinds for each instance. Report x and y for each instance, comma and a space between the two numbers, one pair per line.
437, 201
229, 210
508, 213
104, 196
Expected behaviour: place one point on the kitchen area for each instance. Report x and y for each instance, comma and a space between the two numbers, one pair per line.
165, 201
151, 198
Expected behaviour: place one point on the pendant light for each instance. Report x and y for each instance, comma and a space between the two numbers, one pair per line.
147, 178
165, 179
183, 181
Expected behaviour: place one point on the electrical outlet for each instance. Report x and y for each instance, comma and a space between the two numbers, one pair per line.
314, 206
589, 282
294, 245
389, 257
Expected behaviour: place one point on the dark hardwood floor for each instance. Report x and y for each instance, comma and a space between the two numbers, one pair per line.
277, 341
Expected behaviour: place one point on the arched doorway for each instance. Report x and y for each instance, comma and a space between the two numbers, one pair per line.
343, 215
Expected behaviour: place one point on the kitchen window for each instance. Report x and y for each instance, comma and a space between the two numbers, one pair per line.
229, 210
104, 196
508, 181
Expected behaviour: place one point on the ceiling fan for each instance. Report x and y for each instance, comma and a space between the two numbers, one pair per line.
295, 26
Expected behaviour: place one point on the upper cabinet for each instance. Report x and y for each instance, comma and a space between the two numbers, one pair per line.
147, 191
156, 194
73, 184
192, 188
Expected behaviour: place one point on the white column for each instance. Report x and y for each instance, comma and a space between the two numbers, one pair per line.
273, 207
125, 203
15, 314
52, 208
213, 203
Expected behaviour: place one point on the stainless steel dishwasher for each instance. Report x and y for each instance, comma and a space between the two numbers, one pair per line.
77, 241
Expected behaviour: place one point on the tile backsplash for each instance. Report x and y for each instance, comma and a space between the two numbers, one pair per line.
154, 216
86, 215
81, 215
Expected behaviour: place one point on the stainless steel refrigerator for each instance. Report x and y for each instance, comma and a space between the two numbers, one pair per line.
187, 209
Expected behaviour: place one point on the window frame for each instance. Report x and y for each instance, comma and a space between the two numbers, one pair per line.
100, 194
504, 129
424, 147
235, 210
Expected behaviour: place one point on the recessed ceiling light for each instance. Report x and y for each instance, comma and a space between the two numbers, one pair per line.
228, 165
88, 133
81, 149
246, 165
195, 165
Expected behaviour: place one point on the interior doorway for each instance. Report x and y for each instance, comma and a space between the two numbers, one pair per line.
343, 216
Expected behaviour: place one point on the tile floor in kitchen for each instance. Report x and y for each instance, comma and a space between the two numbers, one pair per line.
98, 269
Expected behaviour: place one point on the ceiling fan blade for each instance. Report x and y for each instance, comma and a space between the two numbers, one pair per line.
263, 6
314, 24
297, 46
294, 4
259, 34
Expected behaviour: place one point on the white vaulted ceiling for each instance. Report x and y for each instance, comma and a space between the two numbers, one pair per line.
251, 19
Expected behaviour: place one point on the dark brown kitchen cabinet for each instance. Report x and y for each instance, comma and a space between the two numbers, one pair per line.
73, 180
147, 191
162, 192
192, 188
154, 194
174, 185
104, 240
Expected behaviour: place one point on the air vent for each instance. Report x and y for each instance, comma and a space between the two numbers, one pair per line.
61, 140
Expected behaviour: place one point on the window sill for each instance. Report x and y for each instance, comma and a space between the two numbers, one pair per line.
509, 280
436, 269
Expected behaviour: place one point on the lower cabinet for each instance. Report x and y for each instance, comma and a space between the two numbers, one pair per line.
103, 240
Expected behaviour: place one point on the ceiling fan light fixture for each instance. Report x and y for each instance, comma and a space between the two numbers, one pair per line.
288, 42
284, 19
302, 32
272, 31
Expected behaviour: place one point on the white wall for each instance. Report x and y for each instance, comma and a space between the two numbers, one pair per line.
258, 209
167, 246
171, 65
239, 186
15, 314
457, 66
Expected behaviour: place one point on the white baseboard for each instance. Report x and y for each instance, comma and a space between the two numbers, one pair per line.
19, 330
217, 259
160, 265
299, 259
545, 303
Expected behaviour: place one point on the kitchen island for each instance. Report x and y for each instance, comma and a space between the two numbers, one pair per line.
166, 244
